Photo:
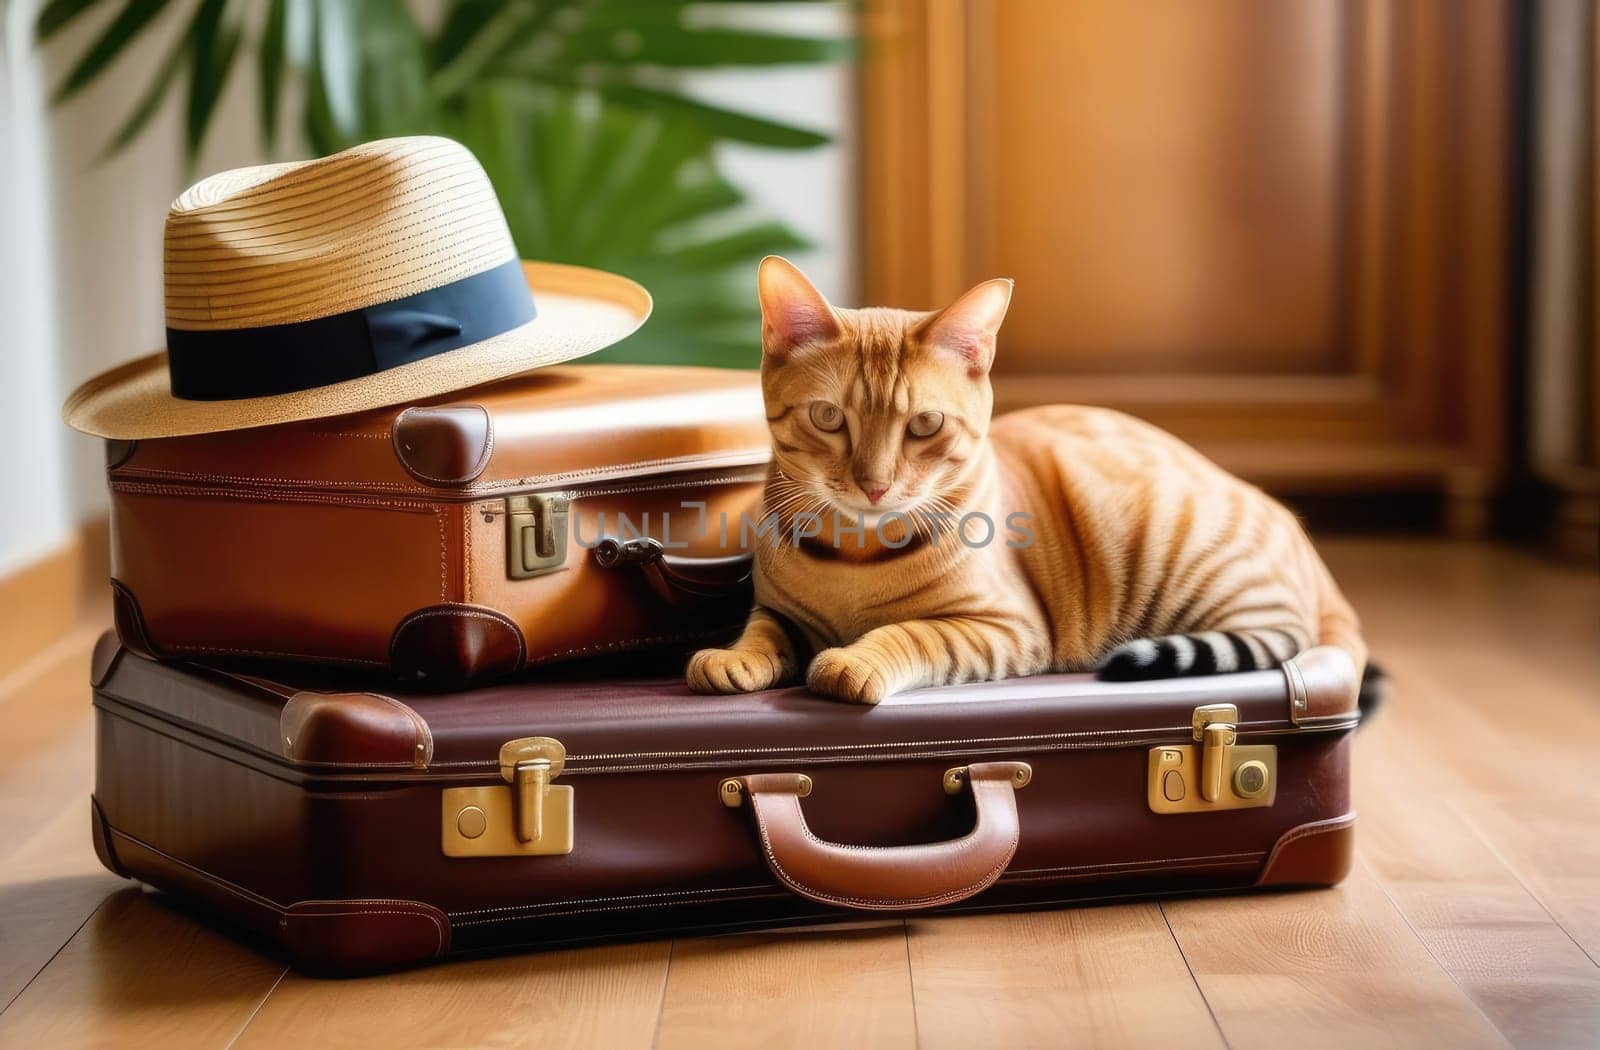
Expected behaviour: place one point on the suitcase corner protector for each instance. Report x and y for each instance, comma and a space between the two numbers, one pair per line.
1319, 853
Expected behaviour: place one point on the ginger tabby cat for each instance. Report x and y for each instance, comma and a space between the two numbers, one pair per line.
1112, 544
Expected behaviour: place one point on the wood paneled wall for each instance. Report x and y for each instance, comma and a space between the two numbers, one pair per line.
1275, 228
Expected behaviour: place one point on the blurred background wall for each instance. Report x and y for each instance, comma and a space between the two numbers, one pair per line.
1345, 246
83, 225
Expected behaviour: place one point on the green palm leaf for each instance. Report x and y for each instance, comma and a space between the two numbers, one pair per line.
213, 45
336, 50
55, 16
658, 212
134, 16
597, 157
675, 45
269, 64
176, 58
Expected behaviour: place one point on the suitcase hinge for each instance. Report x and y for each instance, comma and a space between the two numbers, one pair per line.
1216, 772
536, 534
529, 816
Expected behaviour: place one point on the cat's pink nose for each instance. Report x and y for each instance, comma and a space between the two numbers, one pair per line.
874, 492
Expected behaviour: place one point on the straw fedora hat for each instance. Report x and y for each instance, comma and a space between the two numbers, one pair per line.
377, 276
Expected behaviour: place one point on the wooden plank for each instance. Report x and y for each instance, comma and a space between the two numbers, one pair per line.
85, 963
797, 988
49, 737
39, 602
1333, 968
1110, 976
1502, 690
50, 879
597, 997
1483, 838
1476, 918
1521, 778
49, 886
140, 973
1471, 598
49, 596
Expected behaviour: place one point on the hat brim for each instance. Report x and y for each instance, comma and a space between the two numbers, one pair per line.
580, 311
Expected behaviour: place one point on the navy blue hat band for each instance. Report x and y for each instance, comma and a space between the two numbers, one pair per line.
280, 359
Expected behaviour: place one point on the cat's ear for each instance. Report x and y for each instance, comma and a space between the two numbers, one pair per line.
968, 326
793, 312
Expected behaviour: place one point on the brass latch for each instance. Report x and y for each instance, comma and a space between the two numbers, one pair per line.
1216, 772
529, 816
536, 534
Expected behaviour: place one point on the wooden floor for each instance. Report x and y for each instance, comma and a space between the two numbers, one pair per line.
1472, 917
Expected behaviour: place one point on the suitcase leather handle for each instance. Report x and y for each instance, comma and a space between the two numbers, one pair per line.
679, 581
888, 878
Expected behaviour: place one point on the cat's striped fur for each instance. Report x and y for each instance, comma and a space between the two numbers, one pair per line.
1146, 560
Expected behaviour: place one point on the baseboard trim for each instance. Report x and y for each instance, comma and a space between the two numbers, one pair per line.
48, 597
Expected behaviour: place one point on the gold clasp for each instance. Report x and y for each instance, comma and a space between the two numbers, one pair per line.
1216, 729
536, 534
1215, 772
529, 765
528, 817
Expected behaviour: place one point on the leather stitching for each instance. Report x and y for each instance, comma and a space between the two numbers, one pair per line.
274, 652
880, 904
1319, 827
438, 929
466, 554
1112, 738
754, 456
831, 754
285, 912
478, 464
444, 577
741, 457
620, 897
444, 557
268, 495
133, 474
742, 477
632, 643
886, 905
456, 609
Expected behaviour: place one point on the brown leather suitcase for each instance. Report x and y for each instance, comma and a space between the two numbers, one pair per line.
456, 539
358, 829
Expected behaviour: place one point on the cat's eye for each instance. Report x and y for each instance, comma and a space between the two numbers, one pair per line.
826, 416
925, 424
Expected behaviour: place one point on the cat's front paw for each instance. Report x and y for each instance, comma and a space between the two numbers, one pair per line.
733, 671
845, 675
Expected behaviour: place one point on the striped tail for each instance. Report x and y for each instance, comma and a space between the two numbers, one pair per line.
1239, 649
1205, 652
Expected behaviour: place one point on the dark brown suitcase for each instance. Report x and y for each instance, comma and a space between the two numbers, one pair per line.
457, 539
360, 830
